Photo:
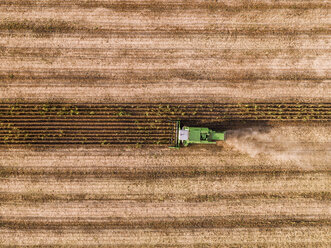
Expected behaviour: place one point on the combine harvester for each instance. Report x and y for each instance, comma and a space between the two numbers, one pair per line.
196, 135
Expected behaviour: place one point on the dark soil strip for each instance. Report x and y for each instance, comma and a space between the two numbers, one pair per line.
51, 26
161, 54
153, 173
92, 77
43, 198
161, 6
165, 223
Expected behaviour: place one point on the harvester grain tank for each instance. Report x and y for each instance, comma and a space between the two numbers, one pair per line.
197, 135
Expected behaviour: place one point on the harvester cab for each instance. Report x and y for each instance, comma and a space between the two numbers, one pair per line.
197, 135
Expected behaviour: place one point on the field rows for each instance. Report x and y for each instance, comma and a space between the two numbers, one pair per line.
195, 111
159, 223
227, 237
170, 51
204, 187
90, 90
125, 5
102, 209
81, 202
56, 124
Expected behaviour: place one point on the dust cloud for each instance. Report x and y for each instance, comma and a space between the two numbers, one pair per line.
300, 145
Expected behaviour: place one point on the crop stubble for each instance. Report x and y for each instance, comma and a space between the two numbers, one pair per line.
56, 55
103, 50
165, 194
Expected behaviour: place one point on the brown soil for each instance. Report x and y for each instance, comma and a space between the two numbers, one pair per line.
258, 69
183, 51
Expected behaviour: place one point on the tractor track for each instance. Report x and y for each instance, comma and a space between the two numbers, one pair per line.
59, 124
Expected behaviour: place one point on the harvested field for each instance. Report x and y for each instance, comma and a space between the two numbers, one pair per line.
179, 51
163, 195
89, 95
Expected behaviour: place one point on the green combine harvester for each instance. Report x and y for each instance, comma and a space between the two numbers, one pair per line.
196, 135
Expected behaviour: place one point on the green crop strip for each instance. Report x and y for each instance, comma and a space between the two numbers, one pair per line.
51, 122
